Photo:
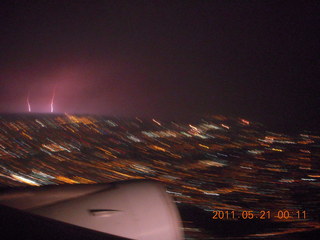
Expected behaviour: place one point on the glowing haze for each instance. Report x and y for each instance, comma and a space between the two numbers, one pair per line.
72, 88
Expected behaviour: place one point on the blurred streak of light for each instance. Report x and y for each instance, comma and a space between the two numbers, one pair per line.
245, 122
193, 127
52, 99
83, 180
158, 148
107, 152
315, 176
156, 122
24, 180
277, 149
66, 180
139, 120
225, 126
204, 146
26, 135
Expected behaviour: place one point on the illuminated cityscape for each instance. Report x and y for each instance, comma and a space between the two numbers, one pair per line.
214, 164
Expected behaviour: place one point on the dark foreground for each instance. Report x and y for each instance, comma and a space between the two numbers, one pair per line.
19, 225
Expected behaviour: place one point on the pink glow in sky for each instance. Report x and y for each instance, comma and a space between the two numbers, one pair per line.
73, 88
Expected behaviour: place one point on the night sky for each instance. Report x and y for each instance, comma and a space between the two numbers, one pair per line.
164, 59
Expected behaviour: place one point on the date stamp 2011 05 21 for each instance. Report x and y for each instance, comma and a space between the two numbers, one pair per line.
263, 214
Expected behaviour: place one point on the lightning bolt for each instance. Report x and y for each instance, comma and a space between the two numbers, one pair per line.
28, 102
52, 99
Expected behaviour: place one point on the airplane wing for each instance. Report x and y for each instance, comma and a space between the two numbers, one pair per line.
123, 210
19, 225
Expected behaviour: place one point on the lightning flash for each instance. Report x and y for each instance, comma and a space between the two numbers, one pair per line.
52, 99
28, 102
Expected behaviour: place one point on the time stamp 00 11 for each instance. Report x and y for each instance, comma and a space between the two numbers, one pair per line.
242, 215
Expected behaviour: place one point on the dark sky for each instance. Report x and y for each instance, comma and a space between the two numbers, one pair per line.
164, 59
